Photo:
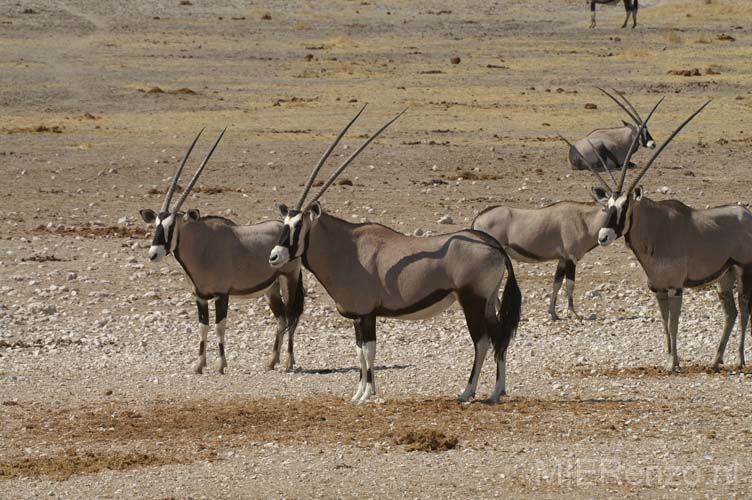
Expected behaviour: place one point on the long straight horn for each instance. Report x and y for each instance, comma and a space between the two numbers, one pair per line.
351, 158
626, 101
595, 172
190, 185
318, 166
633, 117
633, 146
175, 177
602, 161
665, 143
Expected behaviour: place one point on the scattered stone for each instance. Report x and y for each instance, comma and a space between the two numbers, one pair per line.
455, 60
591, 105
418, 232
446, 219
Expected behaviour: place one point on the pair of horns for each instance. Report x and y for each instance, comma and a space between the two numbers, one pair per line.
632, 112
194, 179
344, 165
631, 151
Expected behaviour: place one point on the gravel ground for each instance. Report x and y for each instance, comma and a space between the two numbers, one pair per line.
98, 398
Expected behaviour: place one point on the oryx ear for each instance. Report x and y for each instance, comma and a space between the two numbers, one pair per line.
283, 210
627, 124
148, 215
192, 214
315, 210
600, 195
637, 193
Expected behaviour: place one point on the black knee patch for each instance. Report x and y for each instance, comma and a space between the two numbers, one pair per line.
221, 306
221, 349
560, 271
369, 376
592, 6
201, 348
203, 312
569, 270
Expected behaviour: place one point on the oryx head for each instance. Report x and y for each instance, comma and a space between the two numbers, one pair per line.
617, 202
646, 140
165, 221
298, 220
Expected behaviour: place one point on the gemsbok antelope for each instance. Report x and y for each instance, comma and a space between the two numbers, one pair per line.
371, 270
564, 231
221, 259
680, 247
612, 143
631, 6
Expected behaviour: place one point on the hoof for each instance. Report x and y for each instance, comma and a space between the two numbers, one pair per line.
221, 367
199, 369
289, 364
464, 399
555, 317
739, 366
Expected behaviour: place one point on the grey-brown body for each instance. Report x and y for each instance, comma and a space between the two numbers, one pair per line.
370, 270
630, 6
612, 144
563, 231
223, 259
681, 247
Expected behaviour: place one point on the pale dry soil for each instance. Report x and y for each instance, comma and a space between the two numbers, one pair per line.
97, 397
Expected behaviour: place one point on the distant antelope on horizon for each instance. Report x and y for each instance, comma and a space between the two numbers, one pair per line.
630, 6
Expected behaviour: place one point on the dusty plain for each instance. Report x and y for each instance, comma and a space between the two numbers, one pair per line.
99, 101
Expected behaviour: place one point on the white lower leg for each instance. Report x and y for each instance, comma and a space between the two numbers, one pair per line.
481, 349
362, 381
501, 381
369, 352
220, 329
203, 331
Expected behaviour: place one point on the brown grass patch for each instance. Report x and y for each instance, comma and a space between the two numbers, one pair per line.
65, 465
95, 231
650, 371
54, 129
426, 440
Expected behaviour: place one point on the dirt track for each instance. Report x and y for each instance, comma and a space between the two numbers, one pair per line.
100, 100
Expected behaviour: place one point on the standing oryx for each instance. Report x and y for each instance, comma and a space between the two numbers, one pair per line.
371, 270
564, 231
681, 247
223, 259
631, 6
613, 143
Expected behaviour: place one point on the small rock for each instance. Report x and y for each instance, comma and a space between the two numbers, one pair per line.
446, 219
418, 232
455, 60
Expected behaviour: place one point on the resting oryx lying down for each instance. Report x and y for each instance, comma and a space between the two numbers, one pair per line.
678, 247
222, 259
613, 143
370, 270
564, 231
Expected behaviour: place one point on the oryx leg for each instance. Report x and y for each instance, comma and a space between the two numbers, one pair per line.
662, 298
634, 13
474, 309
274, 298
368, 329
558, 280
571, 267
221, 305
293, 309
674, 310
628, 8
592, 13
358, 324
726, 295
745, 303
203, 329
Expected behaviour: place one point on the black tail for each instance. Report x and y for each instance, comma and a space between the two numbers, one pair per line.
295, 310
509, 315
